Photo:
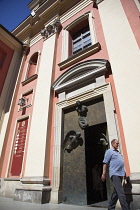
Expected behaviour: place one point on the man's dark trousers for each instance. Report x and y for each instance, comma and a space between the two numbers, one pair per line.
118, 193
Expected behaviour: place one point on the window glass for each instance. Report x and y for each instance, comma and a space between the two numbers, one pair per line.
81, 40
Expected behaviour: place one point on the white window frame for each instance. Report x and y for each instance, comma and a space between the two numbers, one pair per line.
65, 32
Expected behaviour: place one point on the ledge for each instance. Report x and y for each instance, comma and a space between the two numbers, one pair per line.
135, 181
29, 79
80, 55
11, 179
35, 180
33, 188
135, 178
24, 107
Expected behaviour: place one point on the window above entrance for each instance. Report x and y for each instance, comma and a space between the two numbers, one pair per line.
78, 40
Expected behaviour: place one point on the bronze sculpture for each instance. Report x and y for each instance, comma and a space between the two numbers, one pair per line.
82, 113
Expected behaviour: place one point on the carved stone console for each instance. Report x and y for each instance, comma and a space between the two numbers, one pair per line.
51, 29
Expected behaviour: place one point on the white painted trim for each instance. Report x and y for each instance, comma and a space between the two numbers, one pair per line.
39, 123
89, 16
137, 4
80, 73
77, 21
10, 40
65, 44
74, 10
37, 65
92, 28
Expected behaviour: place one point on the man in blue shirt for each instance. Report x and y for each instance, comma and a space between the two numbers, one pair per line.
114, 159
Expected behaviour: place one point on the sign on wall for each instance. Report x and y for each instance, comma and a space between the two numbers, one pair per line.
19, 146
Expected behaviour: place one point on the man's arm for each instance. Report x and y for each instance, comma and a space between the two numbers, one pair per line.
103, 177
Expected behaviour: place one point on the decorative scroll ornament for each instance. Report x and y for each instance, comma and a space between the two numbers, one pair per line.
52, 28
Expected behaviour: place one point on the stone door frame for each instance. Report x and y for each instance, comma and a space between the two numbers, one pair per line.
102, 90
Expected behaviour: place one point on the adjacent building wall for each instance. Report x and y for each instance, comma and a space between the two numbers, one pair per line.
8, 76
124, 58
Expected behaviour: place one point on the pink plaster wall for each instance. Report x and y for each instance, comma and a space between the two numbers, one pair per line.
133, 16
102, 54
15, 113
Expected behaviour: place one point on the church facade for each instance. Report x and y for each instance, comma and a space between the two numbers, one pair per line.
74, 89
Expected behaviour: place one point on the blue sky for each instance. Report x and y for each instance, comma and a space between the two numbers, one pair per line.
13, 12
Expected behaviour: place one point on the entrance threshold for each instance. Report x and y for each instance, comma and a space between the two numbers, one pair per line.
103, 204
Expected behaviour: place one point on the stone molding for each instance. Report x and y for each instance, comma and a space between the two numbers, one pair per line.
44, 14
33, 189
35, 180
82, 72
97, 1
105, 91
80, 56
80, 6
26, 81
66, 60
51, 29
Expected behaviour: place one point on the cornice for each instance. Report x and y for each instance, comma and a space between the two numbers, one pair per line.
35, 39
34, 24
74, 10
44, 14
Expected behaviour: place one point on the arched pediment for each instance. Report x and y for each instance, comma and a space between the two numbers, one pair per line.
82, 73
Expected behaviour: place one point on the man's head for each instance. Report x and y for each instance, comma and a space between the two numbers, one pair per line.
115, 144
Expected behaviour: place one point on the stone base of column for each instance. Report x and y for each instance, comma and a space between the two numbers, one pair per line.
33, 190
56, 196
8, 186
32, 195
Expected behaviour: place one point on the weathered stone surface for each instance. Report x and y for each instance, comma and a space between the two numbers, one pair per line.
32, 196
